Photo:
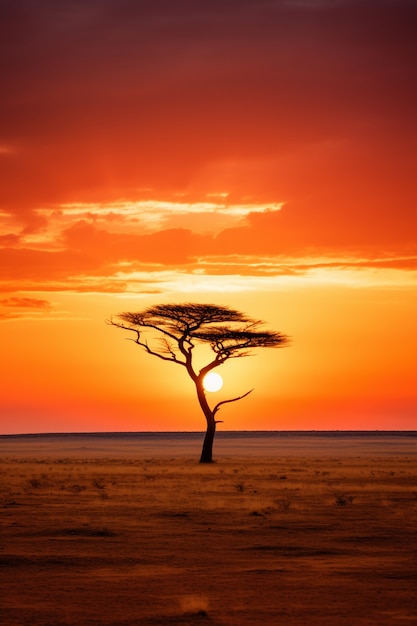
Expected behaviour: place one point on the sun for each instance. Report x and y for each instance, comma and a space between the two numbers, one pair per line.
212, 381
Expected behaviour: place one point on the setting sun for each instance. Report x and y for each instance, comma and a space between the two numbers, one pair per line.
212, 381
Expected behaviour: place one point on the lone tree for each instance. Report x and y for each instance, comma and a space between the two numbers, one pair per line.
171, 332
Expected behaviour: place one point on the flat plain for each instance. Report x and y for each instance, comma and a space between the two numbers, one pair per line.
114, 533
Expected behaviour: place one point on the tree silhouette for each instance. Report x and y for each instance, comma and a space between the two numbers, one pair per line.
181, 327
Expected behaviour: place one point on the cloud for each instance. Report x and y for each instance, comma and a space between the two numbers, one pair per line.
154, 215
18, 307
267, 245
9, 240
25, 303
115, 243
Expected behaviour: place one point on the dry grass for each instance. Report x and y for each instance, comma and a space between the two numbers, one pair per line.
122, 540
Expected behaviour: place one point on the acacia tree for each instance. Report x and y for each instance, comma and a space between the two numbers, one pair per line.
172, 331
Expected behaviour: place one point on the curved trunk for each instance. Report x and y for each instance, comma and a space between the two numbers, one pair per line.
207, 450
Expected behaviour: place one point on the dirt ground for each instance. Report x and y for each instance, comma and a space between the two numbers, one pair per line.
120, 538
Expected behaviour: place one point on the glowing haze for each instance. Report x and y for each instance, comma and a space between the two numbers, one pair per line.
259, 155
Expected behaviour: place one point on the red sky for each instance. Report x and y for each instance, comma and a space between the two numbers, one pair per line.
258, 154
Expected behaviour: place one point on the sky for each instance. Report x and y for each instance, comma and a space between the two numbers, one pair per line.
258, 154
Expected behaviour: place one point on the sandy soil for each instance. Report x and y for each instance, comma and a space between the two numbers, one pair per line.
120, 537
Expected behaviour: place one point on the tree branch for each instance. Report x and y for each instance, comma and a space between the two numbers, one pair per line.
144, 344
219, 404
142, 323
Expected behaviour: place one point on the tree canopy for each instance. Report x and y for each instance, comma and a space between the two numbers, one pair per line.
229, 333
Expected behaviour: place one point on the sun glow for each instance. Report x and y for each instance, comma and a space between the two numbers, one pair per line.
212, 381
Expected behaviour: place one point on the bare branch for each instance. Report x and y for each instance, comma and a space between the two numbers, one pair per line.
144, 344
135, 319
219, 404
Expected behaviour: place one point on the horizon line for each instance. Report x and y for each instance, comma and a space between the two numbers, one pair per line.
220, 432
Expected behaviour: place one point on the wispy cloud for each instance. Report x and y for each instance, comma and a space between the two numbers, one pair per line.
25, 303
23, 307
156, 214
86, 247
234, 273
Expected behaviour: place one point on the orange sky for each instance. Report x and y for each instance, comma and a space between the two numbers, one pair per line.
255, 154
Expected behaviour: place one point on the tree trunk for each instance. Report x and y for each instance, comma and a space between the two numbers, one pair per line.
207, 451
